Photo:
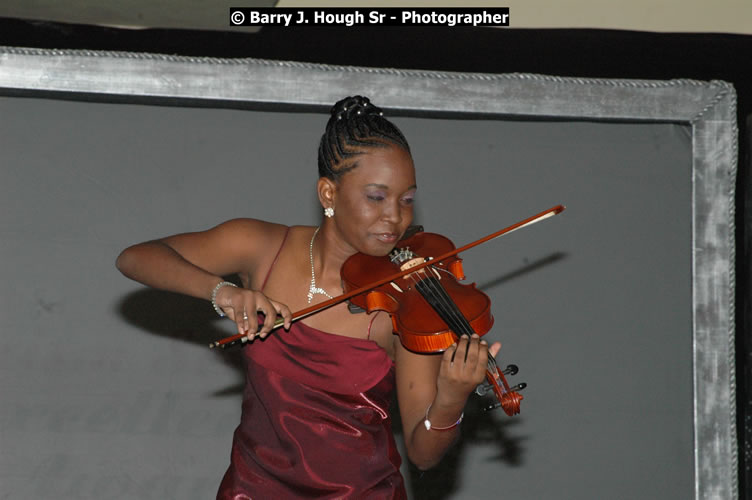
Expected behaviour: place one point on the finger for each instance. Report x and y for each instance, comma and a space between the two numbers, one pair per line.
235, 318
471, 354
470, 346
270, 316
249, 325
461, 351
252, 324
246, 320
245, 329
268, 324
493, 351
285, 312
448, 357
482, 363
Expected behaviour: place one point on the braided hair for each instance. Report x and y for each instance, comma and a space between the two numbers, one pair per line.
354, 126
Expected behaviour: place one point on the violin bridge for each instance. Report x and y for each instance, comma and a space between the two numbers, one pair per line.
412, 263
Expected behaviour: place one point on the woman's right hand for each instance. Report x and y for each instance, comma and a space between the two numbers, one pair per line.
242, 306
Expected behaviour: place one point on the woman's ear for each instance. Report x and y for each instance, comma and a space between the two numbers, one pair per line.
327, 190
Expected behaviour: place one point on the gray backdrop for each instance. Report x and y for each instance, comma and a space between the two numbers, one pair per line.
109, 391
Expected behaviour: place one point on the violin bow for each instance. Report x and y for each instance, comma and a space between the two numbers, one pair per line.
242, 338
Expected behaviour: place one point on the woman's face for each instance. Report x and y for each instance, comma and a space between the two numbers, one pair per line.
374, 201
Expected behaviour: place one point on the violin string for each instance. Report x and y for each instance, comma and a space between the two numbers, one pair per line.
493, 368
443, 304
440, 301
454, 318
441, 292
451, 306
442, 309
462, 325
437, 296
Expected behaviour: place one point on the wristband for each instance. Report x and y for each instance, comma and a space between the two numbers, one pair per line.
430, 427
214, 296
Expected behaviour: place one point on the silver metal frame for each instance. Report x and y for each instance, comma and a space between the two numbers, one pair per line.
709, 108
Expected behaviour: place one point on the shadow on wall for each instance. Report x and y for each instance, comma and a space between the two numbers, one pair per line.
478, 428
527, 268
183, 319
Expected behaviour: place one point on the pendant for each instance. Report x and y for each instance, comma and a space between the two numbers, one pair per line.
316, 290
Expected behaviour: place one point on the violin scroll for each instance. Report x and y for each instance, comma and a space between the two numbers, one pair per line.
508, 398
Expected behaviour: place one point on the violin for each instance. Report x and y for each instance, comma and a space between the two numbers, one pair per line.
417, 284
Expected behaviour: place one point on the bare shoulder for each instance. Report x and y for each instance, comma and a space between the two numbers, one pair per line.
253, 232
235, 246
252, 240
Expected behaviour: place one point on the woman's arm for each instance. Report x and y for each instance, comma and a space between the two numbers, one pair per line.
442, 383
193, 263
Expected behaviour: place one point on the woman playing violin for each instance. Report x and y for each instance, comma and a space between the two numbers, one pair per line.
315, 420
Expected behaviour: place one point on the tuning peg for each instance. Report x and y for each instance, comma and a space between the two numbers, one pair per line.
511, 370
483, 389
492, 407
498, 404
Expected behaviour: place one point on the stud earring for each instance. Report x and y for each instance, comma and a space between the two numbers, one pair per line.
329, 212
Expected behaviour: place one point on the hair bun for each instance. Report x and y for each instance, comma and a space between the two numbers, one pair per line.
354, 127
353, 106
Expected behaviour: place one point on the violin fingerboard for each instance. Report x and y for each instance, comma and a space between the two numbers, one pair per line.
412, 231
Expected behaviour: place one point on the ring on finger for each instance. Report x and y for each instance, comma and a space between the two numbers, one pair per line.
245, 315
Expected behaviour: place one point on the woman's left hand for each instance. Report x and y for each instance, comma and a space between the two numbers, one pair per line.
463, 368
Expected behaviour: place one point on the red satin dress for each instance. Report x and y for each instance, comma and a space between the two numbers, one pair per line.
315, 420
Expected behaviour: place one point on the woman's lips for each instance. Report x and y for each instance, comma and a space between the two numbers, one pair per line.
387, 237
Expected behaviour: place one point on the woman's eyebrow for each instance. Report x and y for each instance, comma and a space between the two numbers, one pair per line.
383, 186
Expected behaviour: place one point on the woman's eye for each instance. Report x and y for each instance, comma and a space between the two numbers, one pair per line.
375, 197
408, 201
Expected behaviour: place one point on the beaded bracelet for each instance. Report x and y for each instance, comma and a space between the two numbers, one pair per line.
429, 427
214, 296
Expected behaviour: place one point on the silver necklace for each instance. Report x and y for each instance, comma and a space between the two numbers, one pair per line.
313, 290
